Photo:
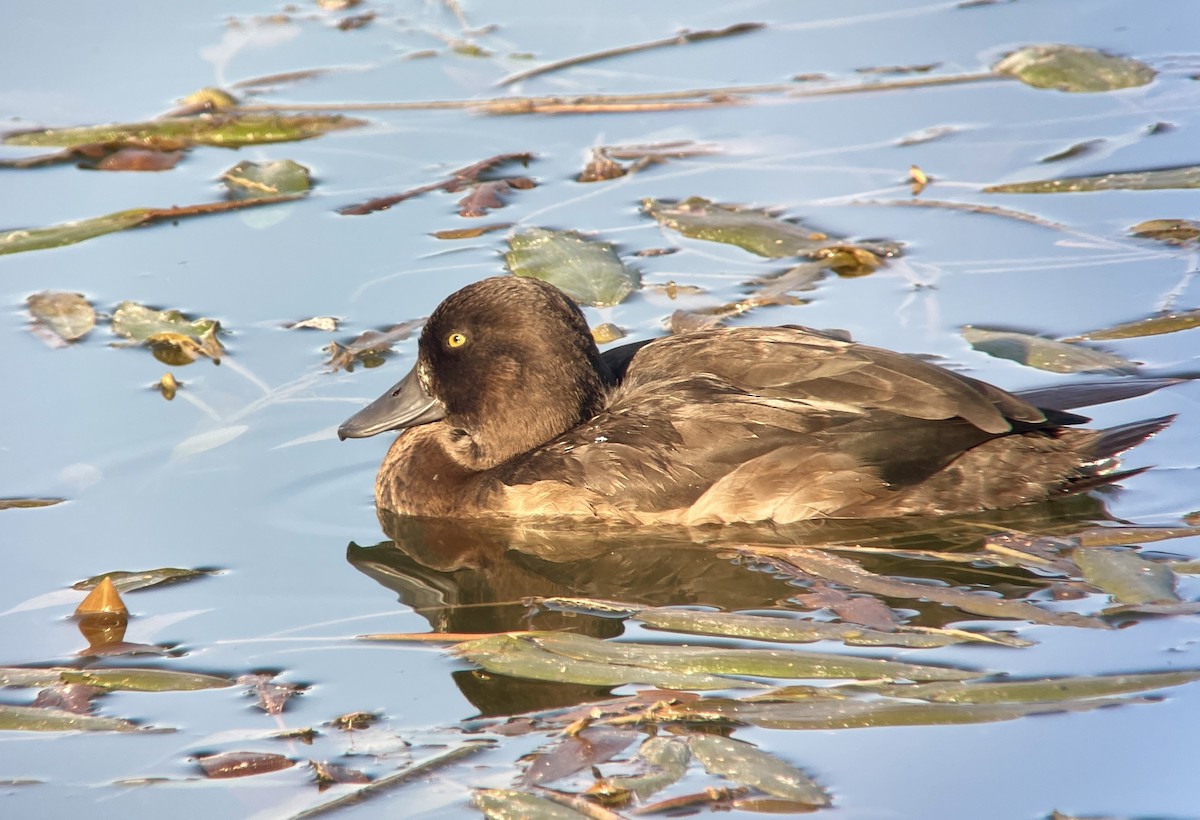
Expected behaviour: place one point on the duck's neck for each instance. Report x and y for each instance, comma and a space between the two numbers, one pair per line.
419, 477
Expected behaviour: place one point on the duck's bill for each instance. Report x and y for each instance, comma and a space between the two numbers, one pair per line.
405, 405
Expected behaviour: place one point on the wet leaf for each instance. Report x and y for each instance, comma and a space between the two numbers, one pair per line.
172, 337
37, 719
601, 167
510, 804
750, 766
370, 346
668, 759
132, 679
1045, 354
28, 503
21, 240
326, 323
221, 130
138, 159
1079, 149
354, 721
587, 270
865, 610
753, 230
1121, 536
850, 573
458, 180
471, 233
130, 581
64, 317
918, 178
103, 598
1184, 176
69, 697
1074, 68
1154, 326
256, 180
168, 386
1171, 231
207, 100
574, 753
272, 696
1127, 576
31, 677
606, 333
1042, 690
488, 195
328, 774
242, 764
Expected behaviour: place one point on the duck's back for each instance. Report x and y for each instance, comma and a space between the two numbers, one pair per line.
787, 424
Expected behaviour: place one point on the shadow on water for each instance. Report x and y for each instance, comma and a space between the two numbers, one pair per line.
487, 578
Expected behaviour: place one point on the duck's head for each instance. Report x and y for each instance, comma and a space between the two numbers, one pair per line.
506, 364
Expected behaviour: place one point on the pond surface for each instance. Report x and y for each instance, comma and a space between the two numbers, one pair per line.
242, 473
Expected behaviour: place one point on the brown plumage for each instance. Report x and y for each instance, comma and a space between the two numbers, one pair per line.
513, 412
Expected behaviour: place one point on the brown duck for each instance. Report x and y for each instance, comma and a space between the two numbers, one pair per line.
512, 412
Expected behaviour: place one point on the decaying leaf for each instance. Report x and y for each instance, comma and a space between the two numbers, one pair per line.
1074, 68
326, 323
1045, 354
750, 766
1154, 326
242, 764
129, 581
1171, 231
173, 338
328, 774
460, 180
61, 317
1075, 151
471, 233
668, 759
510, 804
370, 347
587, 270
221, 130
576, 752
256, 180
272, 696
103, 598
1184, 176
28, 503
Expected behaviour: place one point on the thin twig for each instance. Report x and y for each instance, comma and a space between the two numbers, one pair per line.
683, 38
399, 778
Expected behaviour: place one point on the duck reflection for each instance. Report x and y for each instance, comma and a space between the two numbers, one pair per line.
472, 577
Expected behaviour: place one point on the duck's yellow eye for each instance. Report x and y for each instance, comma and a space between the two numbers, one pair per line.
456, 339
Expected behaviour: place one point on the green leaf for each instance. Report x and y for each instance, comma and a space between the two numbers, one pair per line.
132, 679
1184, 176
1043, 690
1154, 326
1170, 231
69, 316
167, 332
1045, 354
510, 804
1127, 576
748, 228
254, 180
746, 764
587, 270
223, 130
1073, 68
37, 719
130, 581
668, 758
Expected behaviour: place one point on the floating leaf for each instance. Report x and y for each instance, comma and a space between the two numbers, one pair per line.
1073, 68
459, 180
272, 696
1045, 354
1171, 231
130, 581
471, 233
138, 159
103, 598
669, 759
1154, 326
326, 323
370, 346
68, 316
170, 335
1075, 151
1121, 536
1042, 690
510, 804
168, 386
328, 774
68, 233
256, 180
132, 679
37, 719
242, 764
1127, 576
574, 753
222, 130
1184, 176
605, 333
746, 764
587, 270
753, 230
28, 503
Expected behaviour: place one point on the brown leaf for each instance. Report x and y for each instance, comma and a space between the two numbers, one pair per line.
600, 168
586, 748
104, 598
242, 764
139, 159
370, 346
328, 774
853, 609
272, 697
354, 721
470, 233
70, 697
457, 181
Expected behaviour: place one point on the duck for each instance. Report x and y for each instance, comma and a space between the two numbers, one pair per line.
511, 412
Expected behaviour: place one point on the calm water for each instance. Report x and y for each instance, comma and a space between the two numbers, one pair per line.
242, 472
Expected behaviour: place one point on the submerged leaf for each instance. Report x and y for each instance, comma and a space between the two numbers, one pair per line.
750, 766
587, 270
223, 130
255, 180
1154, 326
69, 316
1043, 353
1185, 176
1127, 576
1074, 68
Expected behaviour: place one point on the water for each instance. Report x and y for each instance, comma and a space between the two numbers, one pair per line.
243, 472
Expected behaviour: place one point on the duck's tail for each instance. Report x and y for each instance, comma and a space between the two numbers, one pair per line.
1105, 451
